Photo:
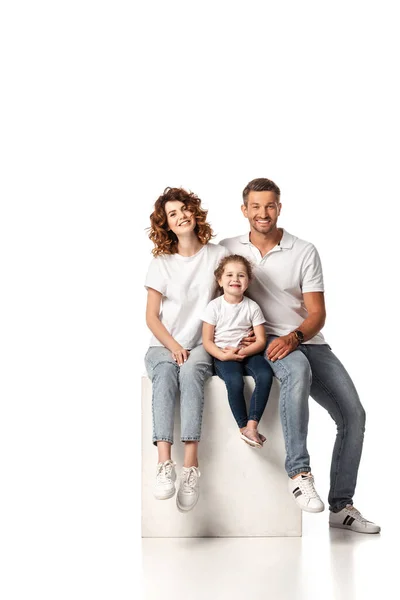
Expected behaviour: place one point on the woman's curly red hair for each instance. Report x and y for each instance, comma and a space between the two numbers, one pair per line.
166, 242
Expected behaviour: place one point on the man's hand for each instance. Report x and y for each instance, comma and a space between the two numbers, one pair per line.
281, 347
180, 356
231, 353
250, 339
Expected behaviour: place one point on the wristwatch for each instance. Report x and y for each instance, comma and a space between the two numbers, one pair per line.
299, 335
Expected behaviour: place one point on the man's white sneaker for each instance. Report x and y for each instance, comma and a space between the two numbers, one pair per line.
188, 492
304, 493
351, 518
165, 480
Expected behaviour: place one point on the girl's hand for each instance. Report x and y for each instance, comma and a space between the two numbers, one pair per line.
180, 356
231, 353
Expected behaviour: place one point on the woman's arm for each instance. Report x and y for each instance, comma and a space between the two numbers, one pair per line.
211, 348
153, 322
258, 345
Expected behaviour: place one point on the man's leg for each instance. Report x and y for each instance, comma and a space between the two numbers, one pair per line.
294, 374
333, 389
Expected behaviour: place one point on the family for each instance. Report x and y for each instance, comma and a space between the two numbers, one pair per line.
250, 305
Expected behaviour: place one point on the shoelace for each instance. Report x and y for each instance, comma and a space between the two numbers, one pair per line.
306, 485
189, 479
164, 471
356, 514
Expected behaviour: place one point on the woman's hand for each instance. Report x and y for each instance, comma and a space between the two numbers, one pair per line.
180, 355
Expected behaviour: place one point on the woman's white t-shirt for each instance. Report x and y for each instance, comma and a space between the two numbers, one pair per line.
187, 284
232, 321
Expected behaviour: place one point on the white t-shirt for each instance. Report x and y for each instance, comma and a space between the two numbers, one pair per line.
281, 277
232, 321
187, 284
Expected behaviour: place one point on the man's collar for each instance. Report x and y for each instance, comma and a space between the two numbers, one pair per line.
287, 239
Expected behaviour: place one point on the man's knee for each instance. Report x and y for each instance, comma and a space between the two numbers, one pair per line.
294, 368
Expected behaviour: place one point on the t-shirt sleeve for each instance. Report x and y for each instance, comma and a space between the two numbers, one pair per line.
155, 278
257, 318
209, 314
312, 279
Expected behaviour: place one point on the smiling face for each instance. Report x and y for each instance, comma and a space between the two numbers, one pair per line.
180, 218
262, 210
234, 279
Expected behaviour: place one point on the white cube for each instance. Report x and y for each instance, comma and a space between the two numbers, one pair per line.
243, 490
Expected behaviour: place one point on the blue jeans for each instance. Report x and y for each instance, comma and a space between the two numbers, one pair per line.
232, 373
168, 380
314, 370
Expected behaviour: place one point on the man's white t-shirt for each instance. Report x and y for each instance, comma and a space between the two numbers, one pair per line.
281, 277
232, 321
187, 284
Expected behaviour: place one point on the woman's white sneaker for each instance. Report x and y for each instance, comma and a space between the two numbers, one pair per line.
188, 492
351, 518
304, 493
165, 480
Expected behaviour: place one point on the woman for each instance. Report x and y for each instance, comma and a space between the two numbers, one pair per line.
180, 283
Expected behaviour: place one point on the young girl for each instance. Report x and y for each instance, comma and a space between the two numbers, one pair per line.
180, 283
227, 320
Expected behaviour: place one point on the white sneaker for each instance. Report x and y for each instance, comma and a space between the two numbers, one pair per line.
351, 518
304, 493
165, 480
188, 492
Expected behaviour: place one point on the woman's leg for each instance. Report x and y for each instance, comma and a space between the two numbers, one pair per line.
163, 372
192, 376
231, 372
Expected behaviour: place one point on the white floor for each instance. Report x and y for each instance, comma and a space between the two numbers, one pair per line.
324, 564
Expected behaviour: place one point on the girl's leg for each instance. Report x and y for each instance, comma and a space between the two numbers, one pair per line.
259, 369
231, 372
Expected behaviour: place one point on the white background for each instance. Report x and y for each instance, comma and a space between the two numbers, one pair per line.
103, 106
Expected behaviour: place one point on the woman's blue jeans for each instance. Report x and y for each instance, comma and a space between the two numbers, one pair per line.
232, 372
313, 370
169, 381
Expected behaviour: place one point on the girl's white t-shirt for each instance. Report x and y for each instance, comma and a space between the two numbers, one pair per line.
187, 284
232, 321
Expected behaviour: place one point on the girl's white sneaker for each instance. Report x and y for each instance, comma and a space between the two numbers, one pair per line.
351, 518
165, 480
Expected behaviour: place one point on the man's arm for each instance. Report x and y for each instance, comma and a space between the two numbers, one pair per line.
284, 345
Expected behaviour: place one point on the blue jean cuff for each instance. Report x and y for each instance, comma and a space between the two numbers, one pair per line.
340, 507
190, 439
164, 439
297, 471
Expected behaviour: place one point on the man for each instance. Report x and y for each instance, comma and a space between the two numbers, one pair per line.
288, 286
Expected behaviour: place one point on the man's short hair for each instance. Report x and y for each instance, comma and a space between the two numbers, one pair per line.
260, 185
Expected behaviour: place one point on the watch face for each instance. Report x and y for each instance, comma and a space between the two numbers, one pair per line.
300, 336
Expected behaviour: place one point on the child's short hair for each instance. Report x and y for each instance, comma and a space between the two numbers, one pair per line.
238, 258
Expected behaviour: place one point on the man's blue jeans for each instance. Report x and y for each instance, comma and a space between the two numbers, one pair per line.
313, 369
232, 372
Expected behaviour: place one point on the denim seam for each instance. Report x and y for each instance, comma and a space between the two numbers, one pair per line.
283, 404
